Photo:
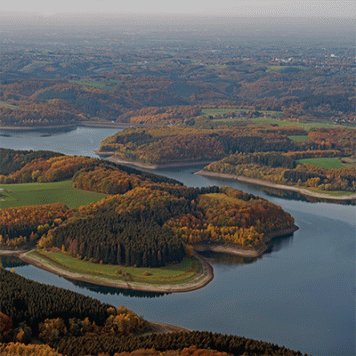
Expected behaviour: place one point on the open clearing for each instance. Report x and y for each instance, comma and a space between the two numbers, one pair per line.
300, 138
285, 68
227, 110
177, 274
324, 162
45, 193
273, 118
305, 125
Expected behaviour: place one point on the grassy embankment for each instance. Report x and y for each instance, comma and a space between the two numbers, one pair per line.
45, 193
176, 274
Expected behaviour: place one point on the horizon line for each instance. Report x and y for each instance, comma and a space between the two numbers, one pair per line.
159, 14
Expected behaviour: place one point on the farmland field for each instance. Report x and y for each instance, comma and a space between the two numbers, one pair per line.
45, 193
325, 162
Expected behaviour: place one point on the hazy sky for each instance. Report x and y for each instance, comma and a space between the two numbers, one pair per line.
337, 8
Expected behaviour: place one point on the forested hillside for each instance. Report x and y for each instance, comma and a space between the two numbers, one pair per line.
11, 160
72, 324
43, 166
324, 162
146, 221
180, 144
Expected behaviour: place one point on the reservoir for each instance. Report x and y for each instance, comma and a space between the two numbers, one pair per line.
300, 294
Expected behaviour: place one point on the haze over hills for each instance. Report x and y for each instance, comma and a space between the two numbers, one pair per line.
254, 95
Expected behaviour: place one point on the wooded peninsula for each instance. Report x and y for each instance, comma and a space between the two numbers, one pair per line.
313, 161
143, 223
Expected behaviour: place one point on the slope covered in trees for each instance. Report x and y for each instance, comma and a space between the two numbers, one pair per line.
181, 144
292, 168
31, 310
26, 225
148, 226
53, 169
229, 216
72, 324
54, 113
146, 220
44, 166
11, 160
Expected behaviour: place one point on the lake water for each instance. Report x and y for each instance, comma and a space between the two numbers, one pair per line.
301, 294
81, 141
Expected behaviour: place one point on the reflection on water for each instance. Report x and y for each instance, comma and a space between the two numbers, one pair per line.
299, 294
279, 243
73, 141
11, 262
226, 259
118, 291
217, 258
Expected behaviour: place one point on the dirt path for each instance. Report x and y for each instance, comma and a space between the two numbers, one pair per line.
199, 281
264, 183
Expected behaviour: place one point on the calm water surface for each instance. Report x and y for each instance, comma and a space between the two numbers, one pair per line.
81, 141
301, 294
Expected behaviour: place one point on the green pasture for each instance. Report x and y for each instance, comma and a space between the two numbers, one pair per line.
45, 193
324, 162
178, 273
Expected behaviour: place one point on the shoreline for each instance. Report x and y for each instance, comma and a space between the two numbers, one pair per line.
38, 128
267, 184
14, 253
238, 251
94, 124
199, 281
108, 157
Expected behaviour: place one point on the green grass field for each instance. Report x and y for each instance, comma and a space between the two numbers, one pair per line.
96, 84
305, 125
324, 162
284, 69
172, 274
273, 120
222, 111
301, 138
280, 122
45, 193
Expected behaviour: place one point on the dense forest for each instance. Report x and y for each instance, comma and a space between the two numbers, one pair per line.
179, 144
43, 166
320, 158
71, 324
146, 220
11, 160
148, 226
25, 225
160, 145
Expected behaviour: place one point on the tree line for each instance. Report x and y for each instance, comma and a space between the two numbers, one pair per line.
72, 324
